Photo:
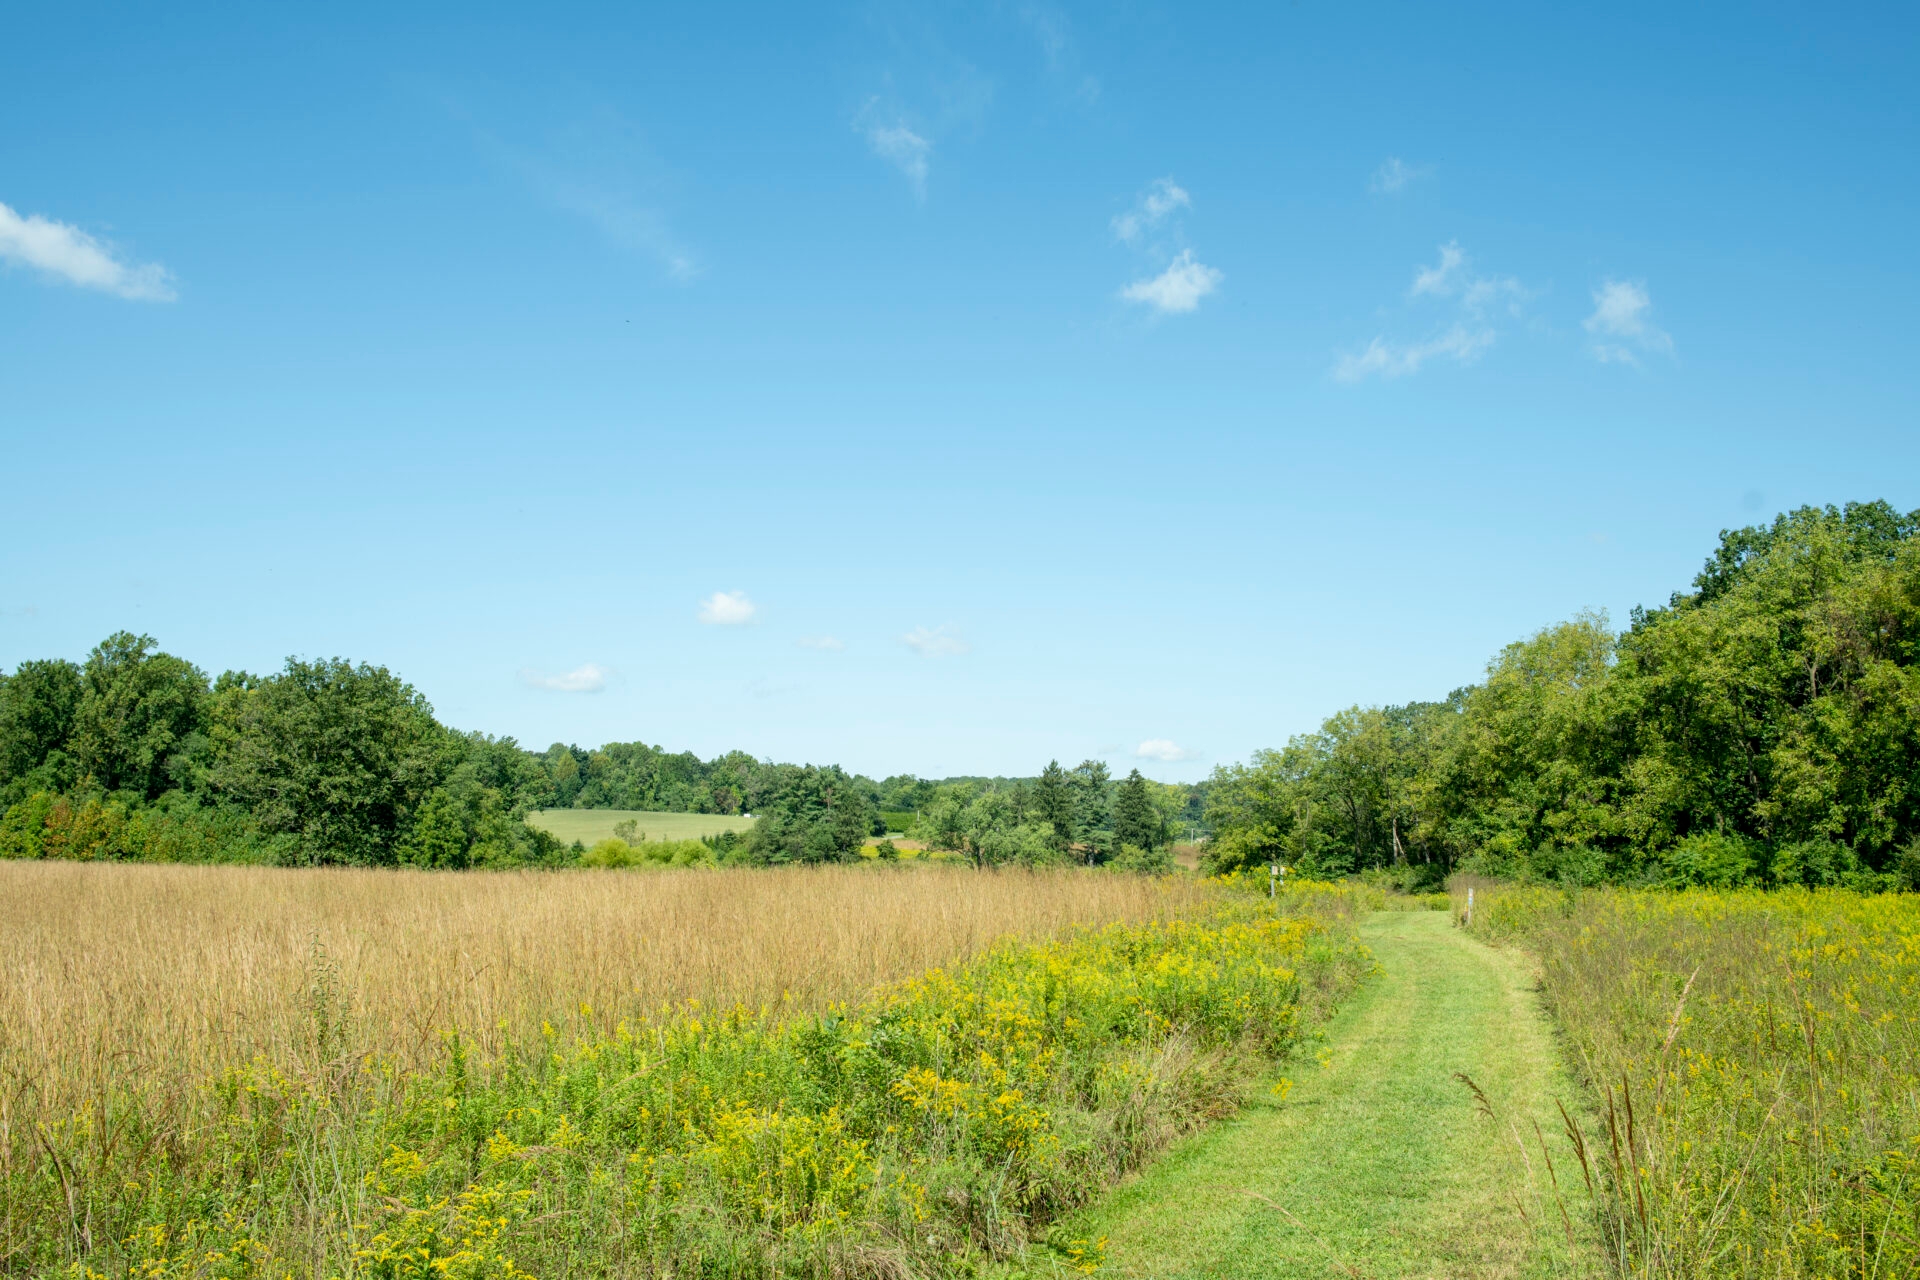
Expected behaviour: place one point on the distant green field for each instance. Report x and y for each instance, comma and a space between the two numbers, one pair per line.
589, 825
898, 820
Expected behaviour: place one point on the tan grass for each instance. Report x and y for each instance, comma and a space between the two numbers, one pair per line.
141, 976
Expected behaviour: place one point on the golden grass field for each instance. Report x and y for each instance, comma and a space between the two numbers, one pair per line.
151, 974
591, 825
164, 1029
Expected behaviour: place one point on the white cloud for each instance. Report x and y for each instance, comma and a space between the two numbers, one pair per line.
1164, 750
591, 678
905, 150
1161, 199
1441, 278
1179, 288
1476, 302
76, 257
727, 609
1449, 278
936, 642
1621, 322
1396, 360
826, 644
1393, 175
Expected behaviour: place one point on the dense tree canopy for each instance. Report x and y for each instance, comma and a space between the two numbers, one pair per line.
38, 703
134, 755
811, 815
136, 708
335, 754
1060, 816
1763, 727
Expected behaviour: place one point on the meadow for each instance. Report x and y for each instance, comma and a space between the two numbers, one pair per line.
214, 1071
1754, 1061
590, 826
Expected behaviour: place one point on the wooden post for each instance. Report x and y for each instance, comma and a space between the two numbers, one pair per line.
1273, 880
1469, 906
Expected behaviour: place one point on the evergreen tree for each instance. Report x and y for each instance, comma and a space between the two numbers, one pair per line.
1093, 809
1053, 804
1135, 822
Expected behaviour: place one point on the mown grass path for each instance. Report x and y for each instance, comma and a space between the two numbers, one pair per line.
1377, 1164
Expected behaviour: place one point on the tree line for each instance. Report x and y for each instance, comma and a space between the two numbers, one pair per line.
136, 754
1762, 728
1059, 817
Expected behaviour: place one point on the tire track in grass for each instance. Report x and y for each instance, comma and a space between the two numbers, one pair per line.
1377, 1164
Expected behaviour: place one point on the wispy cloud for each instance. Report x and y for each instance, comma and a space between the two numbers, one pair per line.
826, 644
1441, 277
1495, 293
727, 609
1396, 360
897, 141
631, 226
905, 150
1622, 323
1159, 200
70, 254
1394, 176
1449, 278
590, 678
1054, 31
943, 641
1477, 303
1179, 288
1164, 750
602, 170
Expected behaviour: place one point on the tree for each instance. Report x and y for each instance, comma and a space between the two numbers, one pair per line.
1135, 821
135, 707
1254, 809
1764, 727
943, 822
1093, 809
814, 815
38, 705
988, 825
438, 837
335, 754
1053, 806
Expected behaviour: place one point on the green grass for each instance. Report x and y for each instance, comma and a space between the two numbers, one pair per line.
1377, 1163
589, 825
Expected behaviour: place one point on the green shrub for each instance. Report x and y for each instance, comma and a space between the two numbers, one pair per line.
614, 852
1815, 864
1709, 860
1156, 862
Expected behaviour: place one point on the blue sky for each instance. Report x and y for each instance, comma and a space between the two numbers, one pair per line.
931, 389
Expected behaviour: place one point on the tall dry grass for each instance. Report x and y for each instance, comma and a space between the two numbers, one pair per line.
212, 1064
117, 974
